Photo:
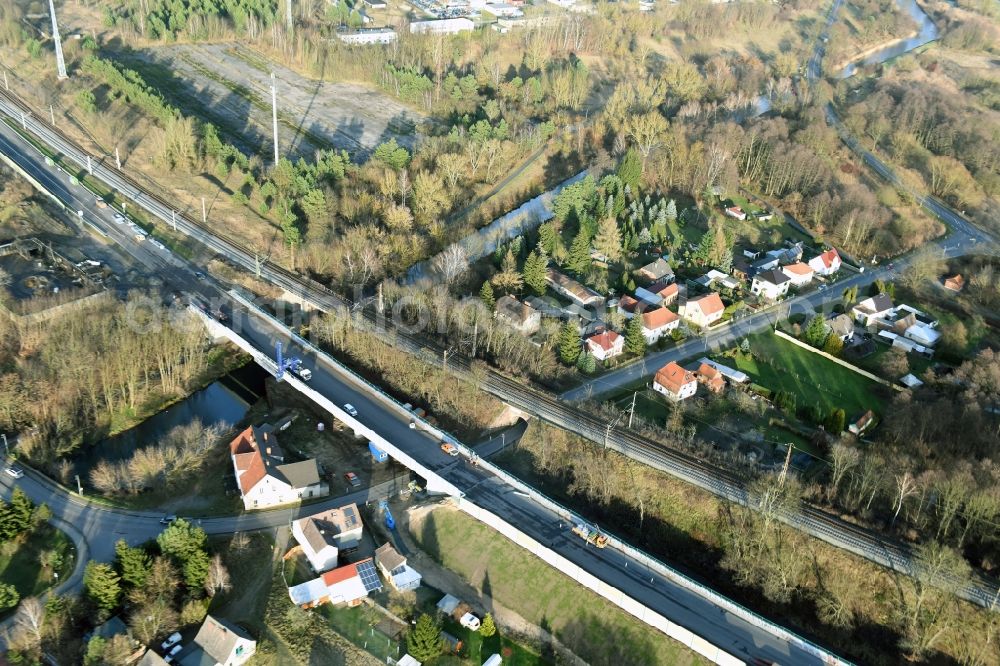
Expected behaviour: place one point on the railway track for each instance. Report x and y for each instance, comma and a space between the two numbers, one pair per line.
712, 478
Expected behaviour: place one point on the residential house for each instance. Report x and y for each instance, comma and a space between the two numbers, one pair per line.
521, 316
799, 273
628, 305
826, 263
772, 284
923, 334
348, 584
606, 344
657, 323
787, 255
711, 378
732, 374
114, 626
150, 658
870, 310
658, 293
736, 213
218, 643
714, 276
763, 215
656, 271
394, 568
573, 290
324, 535
765, 263
954, 283
675, 382
864, 422
263, 476
842, 326
704, 310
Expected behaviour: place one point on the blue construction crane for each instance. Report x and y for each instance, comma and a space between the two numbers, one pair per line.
390, 522
292, 364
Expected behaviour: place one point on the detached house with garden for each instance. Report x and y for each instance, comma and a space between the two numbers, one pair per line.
264, 478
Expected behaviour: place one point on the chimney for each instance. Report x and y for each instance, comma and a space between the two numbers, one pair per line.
268, 450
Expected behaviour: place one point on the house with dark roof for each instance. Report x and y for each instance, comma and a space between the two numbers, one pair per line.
322, 536
263, 476
395, 569
675, 382
870, 310
772, 284
656, 271
571, 289
519, 315
842, 326
218, 643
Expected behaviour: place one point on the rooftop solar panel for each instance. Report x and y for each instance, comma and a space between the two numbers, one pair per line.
369, 577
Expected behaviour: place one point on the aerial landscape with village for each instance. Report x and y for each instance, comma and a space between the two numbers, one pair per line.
499, 332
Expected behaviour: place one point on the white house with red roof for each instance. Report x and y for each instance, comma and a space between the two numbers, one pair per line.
736, 213
322, 535
704, 310
657, 323
675, 382
263, 476
605, 345
348, 584
827, 263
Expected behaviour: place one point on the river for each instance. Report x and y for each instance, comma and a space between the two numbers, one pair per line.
928, 32
223, 403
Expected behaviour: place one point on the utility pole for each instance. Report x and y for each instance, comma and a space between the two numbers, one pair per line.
118, 159
631, 411
79, 487
173, 219
204, 213
52, 115
288, 16
784, 468
24, 121
5, 86
90, 166
274, 115
60, 62
5, 446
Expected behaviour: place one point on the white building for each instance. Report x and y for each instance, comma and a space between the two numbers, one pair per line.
704, 310
827, 263
799, 273
323, 535
502, 9
605, 345
395, 569
450, 26
218, 643
368, 36
348, 584
870, 310
772, 284
263, 476
657, 323
675, 382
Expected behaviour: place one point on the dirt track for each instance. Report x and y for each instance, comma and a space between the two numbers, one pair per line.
232, 84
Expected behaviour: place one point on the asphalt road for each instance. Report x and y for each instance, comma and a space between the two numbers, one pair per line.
100, 526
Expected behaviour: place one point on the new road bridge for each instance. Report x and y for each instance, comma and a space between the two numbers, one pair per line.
719, 628
856, 539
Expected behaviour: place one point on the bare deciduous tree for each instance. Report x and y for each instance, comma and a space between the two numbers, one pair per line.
217, 579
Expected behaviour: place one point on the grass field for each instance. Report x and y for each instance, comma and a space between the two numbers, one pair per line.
592, 627
20, 566
779, 365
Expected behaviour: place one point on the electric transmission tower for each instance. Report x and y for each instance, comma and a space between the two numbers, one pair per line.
60, 62
274, 115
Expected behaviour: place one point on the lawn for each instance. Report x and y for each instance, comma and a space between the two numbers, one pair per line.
779, 365
357, 626
19, 560
596, 630
476, 648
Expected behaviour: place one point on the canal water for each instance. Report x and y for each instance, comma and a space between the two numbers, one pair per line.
928, 32
222, 403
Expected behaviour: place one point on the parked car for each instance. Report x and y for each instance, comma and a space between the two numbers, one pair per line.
353, 479
173, 652
14, 471
100, 202
157, 244
449, 448
199, 275
119, 218
172, 640
349, 408
166, 520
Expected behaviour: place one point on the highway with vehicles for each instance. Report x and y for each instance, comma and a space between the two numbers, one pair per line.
578, 420
100, 525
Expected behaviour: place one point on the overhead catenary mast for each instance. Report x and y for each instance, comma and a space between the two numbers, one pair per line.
274, 116
60, 61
